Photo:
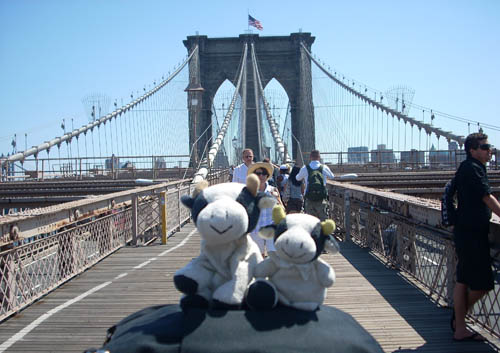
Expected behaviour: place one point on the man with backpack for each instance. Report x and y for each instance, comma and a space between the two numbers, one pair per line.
471, 227
315, 174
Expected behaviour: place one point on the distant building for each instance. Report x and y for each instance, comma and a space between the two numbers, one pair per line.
112, 163
358, 155
160, 163
456, 154
413, 157
382, 155
452, 157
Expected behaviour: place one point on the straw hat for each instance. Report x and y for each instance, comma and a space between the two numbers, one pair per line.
267, 166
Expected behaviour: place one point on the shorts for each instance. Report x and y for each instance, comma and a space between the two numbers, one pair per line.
474, 260
316, 209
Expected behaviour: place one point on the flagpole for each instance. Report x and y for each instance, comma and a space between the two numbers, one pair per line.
248, 23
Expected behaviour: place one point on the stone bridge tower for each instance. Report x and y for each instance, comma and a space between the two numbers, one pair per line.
279, 57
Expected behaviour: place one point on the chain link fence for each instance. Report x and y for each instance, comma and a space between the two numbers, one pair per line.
406, 233
34, 263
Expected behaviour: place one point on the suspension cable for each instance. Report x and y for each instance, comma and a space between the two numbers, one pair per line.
427, 127
96, 123
225, 124
280, 146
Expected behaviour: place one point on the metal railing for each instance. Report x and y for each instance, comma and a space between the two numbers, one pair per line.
387, 159
406, 233
110, 167
42, 251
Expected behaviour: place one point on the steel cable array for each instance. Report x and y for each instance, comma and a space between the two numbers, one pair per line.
280, 146
225, 124
119, 112
428, 128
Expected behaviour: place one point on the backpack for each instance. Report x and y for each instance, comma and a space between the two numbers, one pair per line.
448, 208
316, 190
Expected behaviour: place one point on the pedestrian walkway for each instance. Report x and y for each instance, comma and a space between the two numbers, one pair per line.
76, 315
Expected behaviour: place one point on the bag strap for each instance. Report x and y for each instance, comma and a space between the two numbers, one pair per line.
310, 170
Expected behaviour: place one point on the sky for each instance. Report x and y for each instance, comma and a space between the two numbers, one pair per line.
55, 52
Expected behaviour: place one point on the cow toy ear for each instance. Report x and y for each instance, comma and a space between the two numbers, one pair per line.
187, 201
253, 184
267, 232
199, 187
278, 214
327, 227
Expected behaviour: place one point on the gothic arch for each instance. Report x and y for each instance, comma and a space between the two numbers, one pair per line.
279, 57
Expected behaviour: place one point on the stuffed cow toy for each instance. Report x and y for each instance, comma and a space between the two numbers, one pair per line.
294, 275
224, 214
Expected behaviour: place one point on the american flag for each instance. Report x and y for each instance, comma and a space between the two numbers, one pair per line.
254, 22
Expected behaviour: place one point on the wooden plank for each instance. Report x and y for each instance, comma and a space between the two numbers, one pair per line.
394, 311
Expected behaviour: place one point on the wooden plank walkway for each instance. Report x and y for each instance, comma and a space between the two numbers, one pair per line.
76, 316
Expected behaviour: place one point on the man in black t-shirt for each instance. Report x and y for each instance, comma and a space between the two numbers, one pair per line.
475, 203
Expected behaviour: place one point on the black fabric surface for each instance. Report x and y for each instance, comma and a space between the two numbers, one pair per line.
166, 329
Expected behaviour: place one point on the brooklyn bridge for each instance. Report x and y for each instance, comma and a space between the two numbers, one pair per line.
92, 228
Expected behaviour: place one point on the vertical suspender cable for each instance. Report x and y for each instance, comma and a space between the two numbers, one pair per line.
225, 124
272, 124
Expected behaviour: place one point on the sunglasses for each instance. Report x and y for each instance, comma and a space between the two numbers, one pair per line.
486, 146
260, 173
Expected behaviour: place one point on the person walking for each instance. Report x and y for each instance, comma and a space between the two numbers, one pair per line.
272, 180
296, 191
264, 170
315, 174
240, 172
474, 276
281, 183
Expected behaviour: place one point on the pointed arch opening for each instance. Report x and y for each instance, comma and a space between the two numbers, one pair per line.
279, 104
229, 153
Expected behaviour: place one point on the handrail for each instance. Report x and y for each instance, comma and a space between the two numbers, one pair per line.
406, 232
41, 252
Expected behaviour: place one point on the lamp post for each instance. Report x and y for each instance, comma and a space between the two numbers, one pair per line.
195, 92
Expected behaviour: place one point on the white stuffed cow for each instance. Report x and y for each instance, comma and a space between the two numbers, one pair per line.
224, 214
294, 275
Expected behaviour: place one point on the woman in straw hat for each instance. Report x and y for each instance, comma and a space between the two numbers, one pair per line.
264, 171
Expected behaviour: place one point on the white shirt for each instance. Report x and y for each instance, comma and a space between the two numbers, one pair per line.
303, 174
240, 174
265, 218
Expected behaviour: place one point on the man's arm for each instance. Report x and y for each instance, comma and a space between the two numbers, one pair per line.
327, 172
492, 203
301, 174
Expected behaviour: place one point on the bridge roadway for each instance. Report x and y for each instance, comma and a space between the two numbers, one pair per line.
76, 315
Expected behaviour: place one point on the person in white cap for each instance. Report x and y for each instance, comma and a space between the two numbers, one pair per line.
281, 183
